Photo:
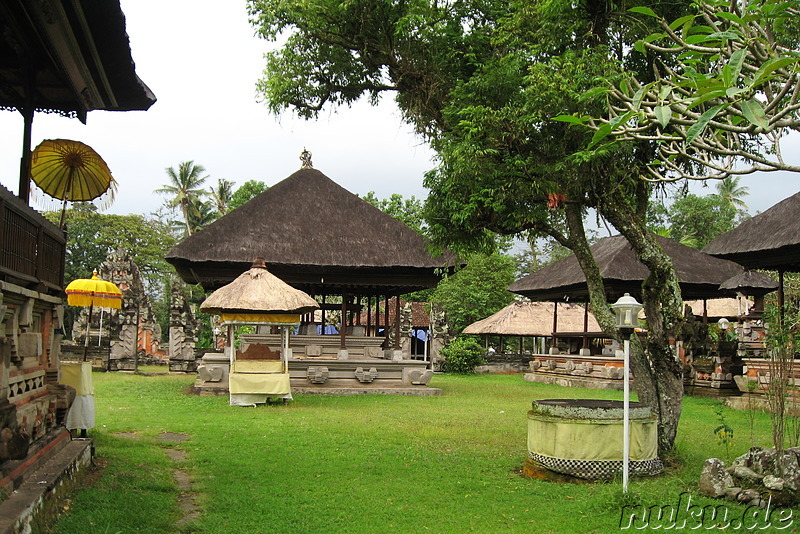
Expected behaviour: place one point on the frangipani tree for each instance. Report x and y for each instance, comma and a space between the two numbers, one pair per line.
724, 91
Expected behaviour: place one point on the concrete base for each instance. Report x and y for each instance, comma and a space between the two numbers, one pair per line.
574, 381
381, 389
39, 497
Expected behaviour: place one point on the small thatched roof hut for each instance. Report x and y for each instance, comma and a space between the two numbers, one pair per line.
316, 236
258, 291
699, 274
534, 319
769, 240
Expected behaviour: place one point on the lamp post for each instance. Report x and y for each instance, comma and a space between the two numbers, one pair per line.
627, 311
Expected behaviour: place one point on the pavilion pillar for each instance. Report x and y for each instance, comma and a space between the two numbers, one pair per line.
27, 132
554, 345
322, 327
386, 322
369, 316
343, 330
397, 323
585, 350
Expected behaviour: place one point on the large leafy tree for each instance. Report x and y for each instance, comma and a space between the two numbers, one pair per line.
476, 291
245, 192
407, 210
482, 80
185, 190
91, 236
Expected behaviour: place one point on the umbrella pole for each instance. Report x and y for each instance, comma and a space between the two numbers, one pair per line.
67, 193
88, 331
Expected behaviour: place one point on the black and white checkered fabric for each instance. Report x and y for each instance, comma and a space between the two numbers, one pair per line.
596, 469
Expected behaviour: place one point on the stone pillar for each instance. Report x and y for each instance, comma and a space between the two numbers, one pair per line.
440, 335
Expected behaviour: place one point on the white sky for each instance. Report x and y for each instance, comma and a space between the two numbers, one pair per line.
202, 61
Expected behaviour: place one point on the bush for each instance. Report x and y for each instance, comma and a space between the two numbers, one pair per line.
462, 355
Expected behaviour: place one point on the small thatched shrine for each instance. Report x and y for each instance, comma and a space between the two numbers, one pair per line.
323, 240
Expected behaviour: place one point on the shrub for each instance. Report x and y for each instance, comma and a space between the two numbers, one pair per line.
462, 355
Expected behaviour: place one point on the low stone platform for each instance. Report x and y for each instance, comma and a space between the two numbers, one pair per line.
35, 501
574, 381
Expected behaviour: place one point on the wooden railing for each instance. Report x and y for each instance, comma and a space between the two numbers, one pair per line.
32, 249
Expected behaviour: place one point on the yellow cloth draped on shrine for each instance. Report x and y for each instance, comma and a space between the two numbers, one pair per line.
590, 440
263, 383
257, 366
79, 376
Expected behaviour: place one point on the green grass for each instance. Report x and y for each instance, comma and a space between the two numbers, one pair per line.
363, 463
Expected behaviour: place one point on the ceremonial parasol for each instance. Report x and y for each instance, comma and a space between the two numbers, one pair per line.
71, 170
93, 292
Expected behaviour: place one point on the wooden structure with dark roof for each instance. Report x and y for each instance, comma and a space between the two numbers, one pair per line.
316, 236
769, 240
699, 275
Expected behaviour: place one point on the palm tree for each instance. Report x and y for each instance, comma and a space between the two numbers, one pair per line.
185, 188
729, 190
221, 195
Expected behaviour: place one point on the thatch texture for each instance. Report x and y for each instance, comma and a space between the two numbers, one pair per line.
770, 240
699, 275
313, 234
750, 283
258, 291
533, 319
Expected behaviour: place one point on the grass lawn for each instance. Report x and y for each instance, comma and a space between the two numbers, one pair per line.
365, 463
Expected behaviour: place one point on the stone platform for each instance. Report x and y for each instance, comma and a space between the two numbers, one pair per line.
36, 499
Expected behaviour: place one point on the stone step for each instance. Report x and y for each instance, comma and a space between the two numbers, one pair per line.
45, 489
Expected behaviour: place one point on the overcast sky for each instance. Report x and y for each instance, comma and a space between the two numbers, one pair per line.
202, 61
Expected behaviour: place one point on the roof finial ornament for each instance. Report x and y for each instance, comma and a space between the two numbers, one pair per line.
305, 157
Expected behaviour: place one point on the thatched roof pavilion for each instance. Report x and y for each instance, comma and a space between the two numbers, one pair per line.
317, 237
769, 240
699, 274
257, 291
533, 319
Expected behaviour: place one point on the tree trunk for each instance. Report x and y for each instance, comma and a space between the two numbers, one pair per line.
658, 373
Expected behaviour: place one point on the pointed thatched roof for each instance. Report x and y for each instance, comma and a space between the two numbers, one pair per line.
533, 319
315, 235
770, 240
750, 283
258, 291
699, 275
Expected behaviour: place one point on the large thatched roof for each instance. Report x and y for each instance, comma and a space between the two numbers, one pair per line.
258, 291
699, 275
770, 240
533, 319
315, 235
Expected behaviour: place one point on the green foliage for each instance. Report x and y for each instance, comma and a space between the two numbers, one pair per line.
184, 191
476, 291
462, 355
720, 95
92, 236
406, 210
245, 192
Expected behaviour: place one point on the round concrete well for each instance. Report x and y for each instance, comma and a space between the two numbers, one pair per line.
583, 438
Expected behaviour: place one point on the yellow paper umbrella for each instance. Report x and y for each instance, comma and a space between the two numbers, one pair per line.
71, 171
93, 292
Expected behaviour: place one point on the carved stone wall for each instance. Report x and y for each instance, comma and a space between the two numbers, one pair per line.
183, 331
32, 404
121, 338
